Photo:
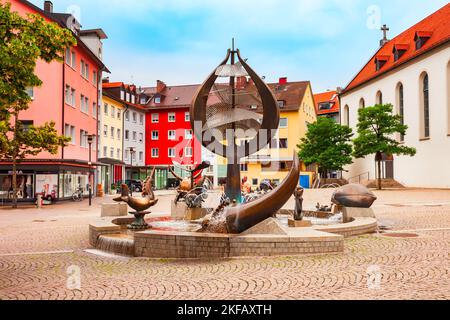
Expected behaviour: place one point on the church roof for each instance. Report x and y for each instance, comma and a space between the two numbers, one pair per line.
434, 29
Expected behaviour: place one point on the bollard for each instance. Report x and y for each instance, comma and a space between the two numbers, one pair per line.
39, 201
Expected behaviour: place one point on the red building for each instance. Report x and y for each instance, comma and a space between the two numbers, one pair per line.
69, 96
169, 137
327, 105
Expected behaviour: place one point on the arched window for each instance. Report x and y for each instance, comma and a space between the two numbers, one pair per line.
346, 115
400, 106
425, 106
362, 103
379, 98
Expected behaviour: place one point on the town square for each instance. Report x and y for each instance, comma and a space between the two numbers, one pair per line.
235, 172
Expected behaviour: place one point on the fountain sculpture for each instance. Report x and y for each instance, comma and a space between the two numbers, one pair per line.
140, 205
230, 116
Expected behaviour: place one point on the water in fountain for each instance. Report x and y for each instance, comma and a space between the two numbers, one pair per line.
121, 244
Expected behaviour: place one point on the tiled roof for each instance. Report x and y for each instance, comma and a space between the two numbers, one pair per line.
435, 26
107, 85
329, 96
291, 93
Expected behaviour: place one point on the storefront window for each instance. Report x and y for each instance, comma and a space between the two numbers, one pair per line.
25, 186
47, 185
73, 181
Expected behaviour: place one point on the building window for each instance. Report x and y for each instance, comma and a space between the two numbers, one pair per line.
74, 60
188, 152
400, 102
112, 132
134, 117
134, 136
187, 117
171, 152
155, 153
379, 98
283, 123
84, 101
119, 134
324, 106
69, 132
113, 112
141, 137
362, 103
133, 99
155, 135
172, 117
105, 131
172, 135
94, 110
255, 182
141, 119
155, 117
425, 104
68, 56
347, 115
119, 114
94, 78
111, 153
157, 100
127, 154
105, 109
141, 156
118, 154
127, 135
281, 103
68, 95
30, 92
105, 152
83, 139
244, 167
128, 97
127, 116
122, 95
283, 144
188, 134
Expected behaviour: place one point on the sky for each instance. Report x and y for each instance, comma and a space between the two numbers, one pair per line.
181, 41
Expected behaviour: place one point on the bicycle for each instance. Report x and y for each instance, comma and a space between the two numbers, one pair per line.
78, 195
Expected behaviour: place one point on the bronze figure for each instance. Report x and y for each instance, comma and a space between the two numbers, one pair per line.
298, 195
147, 201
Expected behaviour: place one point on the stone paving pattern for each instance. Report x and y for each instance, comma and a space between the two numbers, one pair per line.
38, 246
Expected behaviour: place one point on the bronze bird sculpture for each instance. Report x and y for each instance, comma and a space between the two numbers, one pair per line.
139, 204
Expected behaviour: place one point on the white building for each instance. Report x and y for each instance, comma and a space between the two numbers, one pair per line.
412, 72
134, 141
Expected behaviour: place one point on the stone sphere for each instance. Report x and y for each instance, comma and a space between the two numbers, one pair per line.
354, 195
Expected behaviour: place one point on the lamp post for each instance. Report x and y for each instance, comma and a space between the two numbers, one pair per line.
132, 152
90, 140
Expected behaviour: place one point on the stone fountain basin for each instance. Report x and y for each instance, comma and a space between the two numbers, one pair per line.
176, 244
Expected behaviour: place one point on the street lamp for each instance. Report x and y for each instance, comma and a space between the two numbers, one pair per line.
90, 140
132, 152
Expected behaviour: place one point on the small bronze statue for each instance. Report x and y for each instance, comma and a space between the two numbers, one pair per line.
147, 201
298, 212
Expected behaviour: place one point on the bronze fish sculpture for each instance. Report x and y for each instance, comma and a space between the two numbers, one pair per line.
354, 195
139, 204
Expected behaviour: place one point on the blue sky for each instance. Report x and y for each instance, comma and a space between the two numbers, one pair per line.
181, 41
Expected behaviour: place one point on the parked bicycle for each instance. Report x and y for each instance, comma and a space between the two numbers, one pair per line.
78, 195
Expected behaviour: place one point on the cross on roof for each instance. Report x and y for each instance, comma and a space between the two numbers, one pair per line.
385, 29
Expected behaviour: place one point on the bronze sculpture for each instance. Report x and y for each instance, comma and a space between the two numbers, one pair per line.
298, 212
147, 201
229, 116
353, 195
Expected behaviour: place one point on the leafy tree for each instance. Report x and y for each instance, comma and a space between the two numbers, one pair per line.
376, 129
24, 41
327, 144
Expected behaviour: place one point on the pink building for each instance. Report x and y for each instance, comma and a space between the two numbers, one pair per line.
69, 96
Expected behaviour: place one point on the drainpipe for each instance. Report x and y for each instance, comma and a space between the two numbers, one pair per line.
63, 101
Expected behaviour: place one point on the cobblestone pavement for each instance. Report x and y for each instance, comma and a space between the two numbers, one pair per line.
39, 250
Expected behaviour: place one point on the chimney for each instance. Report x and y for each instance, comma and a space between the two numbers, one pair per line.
282, 81
160, 86
48, 6
105, 80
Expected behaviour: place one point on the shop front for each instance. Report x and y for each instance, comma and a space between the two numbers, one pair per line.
54, 181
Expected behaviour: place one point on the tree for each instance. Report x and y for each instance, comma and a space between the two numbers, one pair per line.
327, 144
376, 129
24, 41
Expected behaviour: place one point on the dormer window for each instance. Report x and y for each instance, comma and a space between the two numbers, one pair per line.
380, 61
399, 50
324, 106
421, 38
280, 103
157, 100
